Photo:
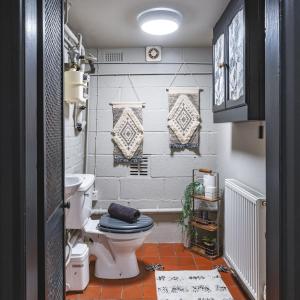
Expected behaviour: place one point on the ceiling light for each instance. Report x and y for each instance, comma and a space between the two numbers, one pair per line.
159, 21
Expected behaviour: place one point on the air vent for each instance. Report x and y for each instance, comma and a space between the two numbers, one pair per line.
113, 56
139, 169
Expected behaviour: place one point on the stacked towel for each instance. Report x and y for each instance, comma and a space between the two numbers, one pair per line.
123, 213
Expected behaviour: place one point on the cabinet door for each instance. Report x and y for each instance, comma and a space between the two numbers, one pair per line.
219, 73
236, 60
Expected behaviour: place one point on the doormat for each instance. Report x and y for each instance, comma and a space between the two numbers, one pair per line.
191, 285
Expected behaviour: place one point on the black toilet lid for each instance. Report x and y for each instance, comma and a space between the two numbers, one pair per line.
109, 224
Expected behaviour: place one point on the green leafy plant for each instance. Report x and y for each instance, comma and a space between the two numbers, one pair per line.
187, 208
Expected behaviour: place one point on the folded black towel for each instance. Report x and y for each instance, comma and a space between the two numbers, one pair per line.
123, 213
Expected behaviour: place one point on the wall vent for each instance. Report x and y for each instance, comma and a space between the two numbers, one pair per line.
113, 57
139, 169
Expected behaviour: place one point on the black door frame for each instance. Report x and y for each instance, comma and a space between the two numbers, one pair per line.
22, 258
283, 147
18, 150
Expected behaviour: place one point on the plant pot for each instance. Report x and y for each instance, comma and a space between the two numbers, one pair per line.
209, 247
186, 234
186, 239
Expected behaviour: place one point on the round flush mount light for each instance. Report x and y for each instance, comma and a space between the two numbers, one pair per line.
160, 20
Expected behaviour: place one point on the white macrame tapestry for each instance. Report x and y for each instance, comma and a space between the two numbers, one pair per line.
184, 118
128, 132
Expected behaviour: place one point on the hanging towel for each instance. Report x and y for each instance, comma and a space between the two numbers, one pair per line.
128, 132
184, 118
123, 213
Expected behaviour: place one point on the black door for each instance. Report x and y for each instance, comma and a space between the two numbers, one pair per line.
51, 162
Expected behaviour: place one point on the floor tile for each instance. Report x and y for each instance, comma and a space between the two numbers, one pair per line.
132, 292
72, 296
91, 293
180, 250
94, 281
149, 292
150, 250
111, 292
186, 261
204, 268
229, 279
238, 294
172, 256
149, 279
166, 250
139, 252
169, 260
185, 268
151, 260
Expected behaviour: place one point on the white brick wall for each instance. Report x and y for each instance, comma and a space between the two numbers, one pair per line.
74, 140
74, 143
168, 174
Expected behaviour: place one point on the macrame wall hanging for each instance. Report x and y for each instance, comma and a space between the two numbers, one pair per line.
128, 132
184, 118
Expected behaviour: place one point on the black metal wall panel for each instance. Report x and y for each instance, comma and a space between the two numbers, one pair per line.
52, 159
53, 89
55, 259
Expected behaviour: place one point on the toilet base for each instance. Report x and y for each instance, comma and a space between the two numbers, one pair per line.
115, 252
124, 267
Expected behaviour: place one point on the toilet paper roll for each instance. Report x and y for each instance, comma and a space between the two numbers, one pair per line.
211, 192
209, 180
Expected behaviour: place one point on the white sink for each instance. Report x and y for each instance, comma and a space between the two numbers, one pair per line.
72, 183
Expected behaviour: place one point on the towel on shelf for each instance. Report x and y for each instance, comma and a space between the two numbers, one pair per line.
123, 213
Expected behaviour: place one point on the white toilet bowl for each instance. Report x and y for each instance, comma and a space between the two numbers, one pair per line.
115, 252
113, 243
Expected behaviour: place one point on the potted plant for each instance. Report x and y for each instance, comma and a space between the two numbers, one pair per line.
209, 244
187, 210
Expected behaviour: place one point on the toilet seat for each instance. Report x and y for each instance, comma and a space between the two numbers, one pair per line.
112, 225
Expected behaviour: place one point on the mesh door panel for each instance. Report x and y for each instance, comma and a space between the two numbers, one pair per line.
55, 260
53, 88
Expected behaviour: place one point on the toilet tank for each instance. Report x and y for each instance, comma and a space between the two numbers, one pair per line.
80, 204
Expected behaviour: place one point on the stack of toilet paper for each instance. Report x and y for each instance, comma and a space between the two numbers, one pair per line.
210, 182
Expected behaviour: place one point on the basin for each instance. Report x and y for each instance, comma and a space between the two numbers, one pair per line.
72, 183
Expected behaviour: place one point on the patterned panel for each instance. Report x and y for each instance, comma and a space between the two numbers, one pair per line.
236, 56
219, 56
53, 105
53, 143
55, 260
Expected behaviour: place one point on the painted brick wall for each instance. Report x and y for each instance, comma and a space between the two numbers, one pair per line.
168, 174
74, 140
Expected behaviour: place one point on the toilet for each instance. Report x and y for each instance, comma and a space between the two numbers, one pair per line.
112, 241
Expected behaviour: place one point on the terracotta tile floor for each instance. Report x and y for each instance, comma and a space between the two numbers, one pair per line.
172, 256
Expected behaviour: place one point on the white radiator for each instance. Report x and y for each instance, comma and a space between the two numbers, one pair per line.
244, 235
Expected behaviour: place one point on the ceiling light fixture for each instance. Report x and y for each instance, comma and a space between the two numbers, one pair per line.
160, 20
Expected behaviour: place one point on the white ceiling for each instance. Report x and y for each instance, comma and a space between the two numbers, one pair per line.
112, 23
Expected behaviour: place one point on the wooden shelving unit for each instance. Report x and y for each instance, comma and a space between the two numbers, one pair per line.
205, 222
